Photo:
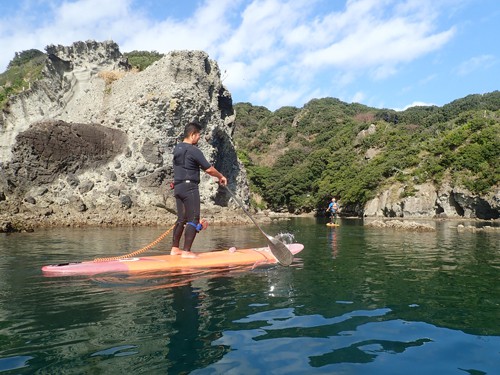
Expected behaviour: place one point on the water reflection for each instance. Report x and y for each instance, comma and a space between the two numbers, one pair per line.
14, 363
185, 342
333, 241
356, 300
282, 342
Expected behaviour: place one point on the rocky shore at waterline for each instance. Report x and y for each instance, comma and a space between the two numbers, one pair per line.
413, 226
29, 221
474, 229
401, 225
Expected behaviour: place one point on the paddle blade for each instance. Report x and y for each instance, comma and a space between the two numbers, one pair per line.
280, 251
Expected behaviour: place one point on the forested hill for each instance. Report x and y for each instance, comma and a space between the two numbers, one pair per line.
297, 158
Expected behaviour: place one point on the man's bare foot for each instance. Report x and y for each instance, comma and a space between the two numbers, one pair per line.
175, 251
188, 254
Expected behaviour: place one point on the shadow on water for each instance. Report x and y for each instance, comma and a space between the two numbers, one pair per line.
356, 300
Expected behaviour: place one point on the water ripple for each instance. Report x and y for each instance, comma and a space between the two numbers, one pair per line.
368, 343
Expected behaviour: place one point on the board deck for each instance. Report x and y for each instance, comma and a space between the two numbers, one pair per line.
166, 262
332, 225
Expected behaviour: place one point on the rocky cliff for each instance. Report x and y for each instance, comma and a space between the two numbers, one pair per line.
91, 142
429, 201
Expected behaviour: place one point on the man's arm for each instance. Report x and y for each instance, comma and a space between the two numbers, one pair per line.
215, 173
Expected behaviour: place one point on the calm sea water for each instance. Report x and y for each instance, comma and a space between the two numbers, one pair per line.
357, 300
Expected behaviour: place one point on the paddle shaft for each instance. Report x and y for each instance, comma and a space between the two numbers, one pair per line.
279, 249
247, 213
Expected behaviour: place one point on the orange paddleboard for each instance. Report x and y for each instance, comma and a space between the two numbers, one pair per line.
166, 262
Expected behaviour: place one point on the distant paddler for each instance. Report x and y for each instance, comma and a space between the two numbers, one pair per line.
333, 208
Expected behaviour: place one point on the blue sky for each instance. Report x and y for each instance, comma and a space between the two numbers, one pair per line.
274, 53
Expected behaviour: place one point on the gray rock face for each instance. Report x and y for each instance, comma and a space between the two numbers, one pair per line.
430, 201
91, 142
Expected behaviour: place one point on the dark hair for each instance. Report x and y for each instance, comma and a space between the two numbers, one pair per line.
192, 127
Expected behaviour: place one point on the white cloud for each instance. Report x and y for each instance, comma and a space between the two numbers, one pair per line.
383, 71
264, 27
293, 46
81, 14
276, 96
203, 30
427, 79
243, 75
358, 97
378, 42
415, 104
368, 37
237, 75
476, 63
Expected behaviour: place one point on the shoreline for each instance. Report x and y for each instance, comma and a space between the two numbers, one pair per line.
221, 216
29, 221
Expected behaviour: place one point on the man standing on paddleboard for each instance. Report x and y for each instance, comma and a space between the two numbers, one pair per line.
333, 207
188, 160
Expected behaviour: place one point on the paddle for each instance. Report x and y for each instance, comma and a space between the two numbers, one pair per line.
278, 248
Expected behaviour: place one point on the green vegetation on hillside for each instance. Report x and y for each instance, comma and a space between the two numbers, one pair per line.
297, 159
24, 69
142, 59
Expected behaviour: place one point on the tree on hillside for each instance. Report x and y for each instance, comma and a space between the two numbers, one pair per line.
142, 59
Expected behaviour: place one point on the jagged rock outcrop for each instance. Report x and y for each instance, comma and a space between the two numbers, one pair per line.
91, 142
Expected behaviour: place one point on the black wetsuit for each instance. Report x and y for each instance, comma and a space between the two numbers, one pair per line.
188, 160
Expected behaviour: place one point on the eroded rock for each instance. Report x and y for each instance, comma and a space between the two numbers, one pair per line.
94, 130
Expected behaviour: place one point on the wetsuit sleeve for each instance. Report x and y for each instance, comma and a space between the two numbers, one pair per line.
200, 159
